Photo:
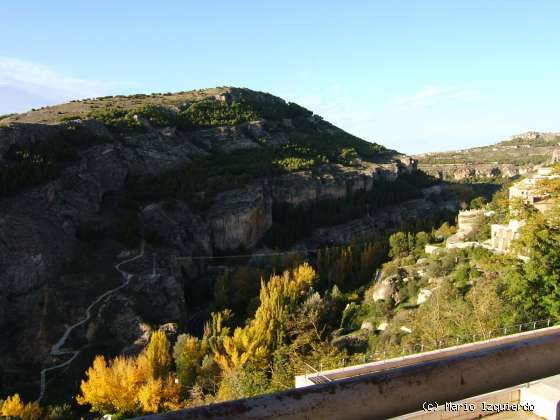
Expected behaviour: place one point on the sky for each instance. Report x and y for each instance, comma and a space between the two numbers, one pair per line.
416, 76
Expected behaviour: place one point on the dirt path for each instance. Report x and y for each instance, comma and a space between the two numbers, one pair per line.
56, 348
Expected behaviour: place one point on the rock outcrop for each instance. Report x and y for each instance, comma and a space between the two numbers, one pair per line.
50, 229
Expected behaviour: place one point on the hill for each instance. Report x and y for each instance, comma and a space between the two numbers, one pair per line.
507, 158
193, 176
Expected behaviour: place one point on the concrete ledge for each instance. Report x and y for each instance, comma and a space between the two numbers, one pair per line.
411, 359
402, 390
545, 399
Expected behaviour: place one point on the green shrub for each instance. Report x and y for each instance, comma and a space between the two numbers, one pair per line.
30, 166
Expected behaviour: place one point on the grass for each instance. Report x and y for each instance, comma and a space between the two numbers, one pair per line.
245, 102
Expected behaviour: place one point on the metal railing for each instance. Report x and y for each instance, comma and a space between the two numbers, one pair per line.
438, 344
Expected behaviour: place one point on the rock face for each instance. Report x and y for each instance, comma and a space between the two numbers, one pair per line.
42, 228
516, 155
240, 217
386, 218
423, 296
385, 289
460, 172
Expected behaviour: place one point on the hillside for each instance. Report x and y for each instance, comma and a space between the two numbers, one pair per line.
193, 176
507, 158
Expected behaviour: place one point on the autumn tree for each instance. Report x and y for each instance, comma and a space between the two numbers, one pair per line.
132, 385
158, 353
189, 353
256, 341
113, 387
14, 407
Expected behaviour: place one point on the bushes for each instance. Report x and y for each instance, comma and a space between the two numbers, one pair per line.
206, 113
402, 244
207, 176
44, 160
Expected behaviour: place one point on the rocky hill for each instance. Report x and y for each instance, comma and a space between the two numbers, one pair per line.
514, 156
192, 175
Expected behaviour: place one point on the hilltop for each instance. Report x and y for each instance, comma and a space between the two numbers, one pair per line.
513, 156
87, 108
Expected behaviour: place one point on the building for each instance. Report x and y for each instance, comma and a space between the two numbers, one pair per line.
503, 235
468, 223
528, 188
528, 191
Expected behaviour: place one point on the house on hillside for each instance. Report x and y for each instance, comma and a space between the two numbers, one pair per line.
527, 190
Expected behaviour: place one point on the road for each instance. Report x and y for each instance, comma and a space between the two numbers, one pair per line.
56, 349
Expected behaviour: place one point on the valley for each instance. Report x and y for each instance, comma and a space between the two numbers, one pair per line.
189, 217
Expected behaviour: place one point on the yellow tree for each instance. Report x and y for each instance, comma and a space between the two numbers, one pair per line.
14, 407
159, 355
130, 385
113, 387
256, 341
159, 394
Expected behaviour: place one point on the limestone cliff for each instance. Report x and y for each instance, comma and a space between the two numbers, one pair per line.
63, 223
516, 155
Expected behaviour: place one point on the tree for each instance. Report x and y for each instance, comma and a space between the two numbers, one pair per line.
420, 241
14, 407
129, 385
534, 285
159, 394
478, 202
222, 291
341, 273
113, 387
158, 353
399, 245
242, 382
370, 258
189, 353
257, 340
444, 231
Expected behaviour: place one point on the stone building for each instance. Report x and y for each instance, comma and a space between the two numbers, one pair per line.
503, 235
528, 191
468, 221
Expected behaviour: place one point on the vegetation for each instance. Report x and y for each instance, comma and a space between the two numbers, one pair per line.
207, 176
270, 321
13, 407
43, 161
292, 223
208, 112
132, 385
324, 313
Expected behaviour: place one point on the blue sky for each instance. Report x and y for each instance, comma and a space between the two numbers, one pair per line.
413, 75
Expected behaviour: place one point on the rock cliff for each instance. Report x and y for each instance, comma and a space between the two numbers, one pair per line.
73, 210
514, 156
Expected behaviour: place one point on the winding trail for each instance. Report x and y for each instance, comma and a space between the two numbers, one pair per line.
56, 348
